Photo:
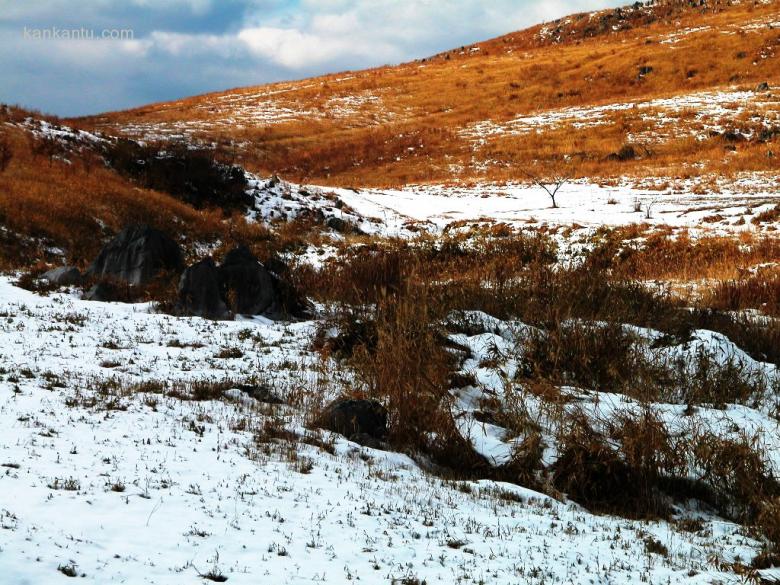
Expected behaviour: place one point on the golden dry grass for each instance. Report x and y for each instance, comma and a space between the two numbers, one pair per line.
73, 202
395, 125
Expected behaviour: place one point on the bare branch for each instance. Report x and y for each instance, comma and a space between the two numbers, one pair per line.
550, 182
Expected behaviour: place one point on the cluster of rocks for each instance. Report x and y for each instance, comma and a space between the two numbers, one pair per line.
139, 254
241, 284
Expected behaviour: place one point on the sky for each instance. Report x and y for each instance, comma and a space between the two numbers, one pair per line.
77, 57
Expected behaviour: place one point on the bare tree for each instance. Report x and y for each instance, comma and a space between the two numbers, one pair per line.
551, 185
550, 175
649, 208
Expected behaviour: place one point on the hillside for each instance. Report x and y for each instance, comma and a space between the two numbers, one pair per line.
640, 91
508, 314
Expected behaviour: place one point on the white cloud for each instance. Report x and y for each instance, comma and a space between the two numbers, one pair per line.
16, 9
236, 42
296, 49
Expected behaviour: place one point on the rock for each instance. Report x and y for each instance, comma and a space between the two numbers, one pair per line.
337, 224
137, 255
358, 419
367, 441
104, 292
342, 226
200, 291
626, 153
241, 285
63, 276
644, 71
733, 136
761, 87
261, 393
250, 287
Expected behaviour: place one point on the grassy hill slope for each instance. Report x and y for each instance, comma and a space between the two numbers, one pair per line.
643, 90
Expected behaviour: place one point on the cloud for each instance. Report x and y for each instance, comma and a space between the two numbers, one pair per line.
181, 47
298, 50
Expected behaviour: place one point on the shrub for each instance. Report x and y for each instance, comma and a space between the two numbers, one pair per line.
757, 292
591, 472
708, 381
739, 474
408, 370
193, 176
600, 357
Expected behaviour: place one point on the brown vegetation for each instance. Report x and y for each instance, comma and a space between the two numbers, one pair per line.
414, 122
60, 198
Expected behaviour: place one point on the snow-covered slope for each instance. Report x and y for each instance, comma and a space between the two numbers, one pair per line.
122, 483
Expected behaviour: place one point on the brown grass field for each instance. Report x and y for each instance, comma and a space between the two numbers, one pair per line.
414, 123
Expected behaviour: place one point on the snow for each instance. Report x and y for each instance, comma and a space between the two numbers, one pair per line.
496, 349
251, 109
695, 114
726, 207
581, 203
132, 487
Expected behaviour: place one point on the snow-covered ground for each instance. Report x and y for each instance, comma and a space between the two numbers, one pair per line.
108, 468
728, 207
131, 486
578, 203
495, 353
694, 114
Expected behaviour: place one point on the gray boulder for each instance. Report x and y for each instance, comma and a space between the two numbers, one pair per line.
363, 421
137, 255
200, 291
63, 276
763, 86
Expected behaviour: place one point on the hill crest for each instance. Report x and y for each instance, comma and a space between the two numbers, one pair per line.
638, 71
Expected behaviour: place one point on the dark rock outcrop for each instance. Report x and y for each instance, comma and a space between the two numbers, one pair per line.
627, 152
193, 176
137, 255
644, 71
63, 276
240, 285
364, 421
342, 226
200, 291
249, 286
261, 393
